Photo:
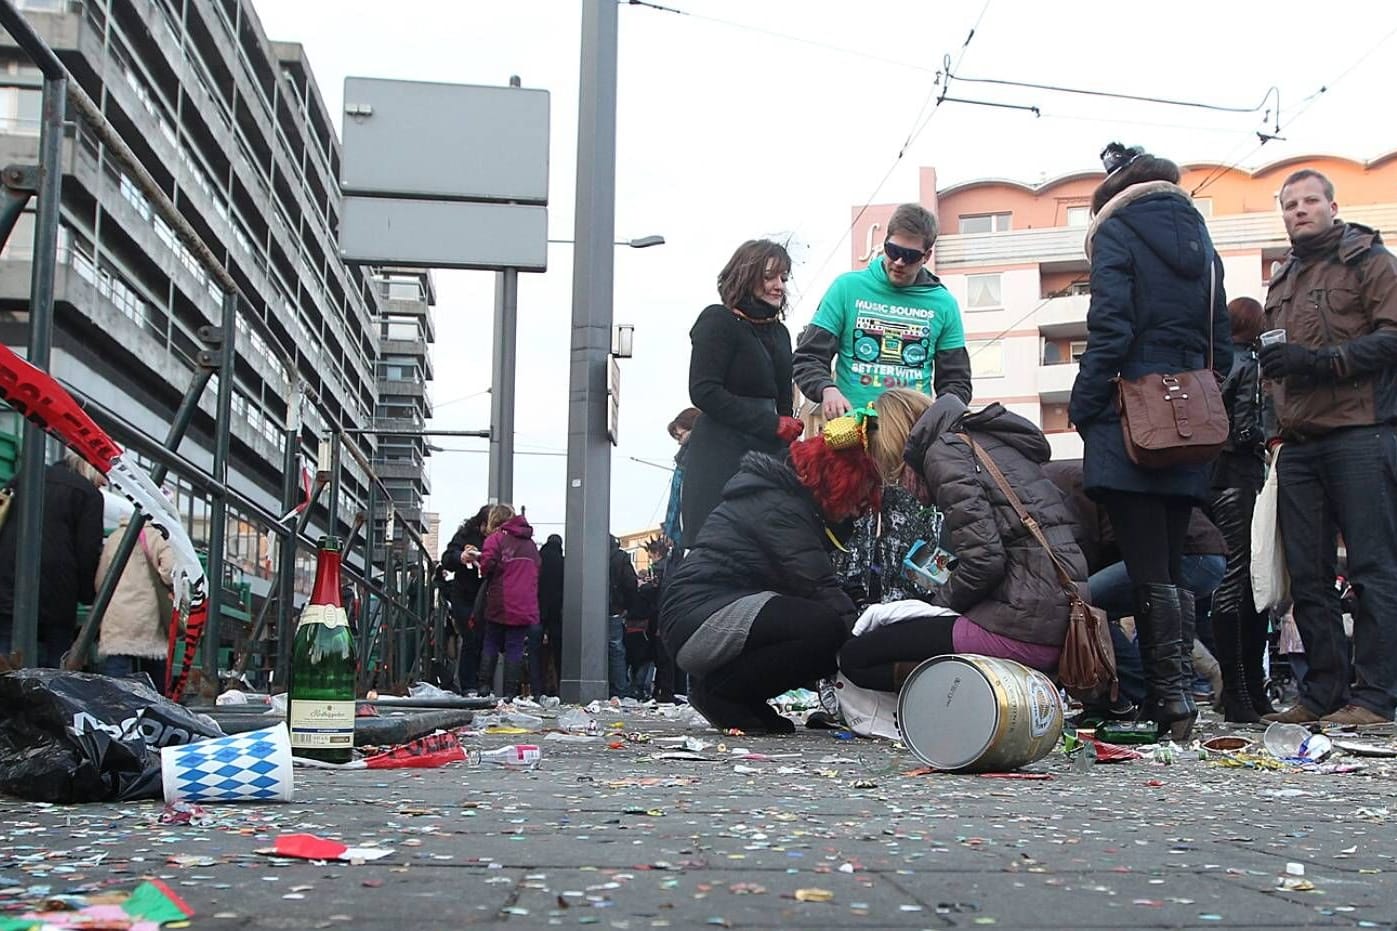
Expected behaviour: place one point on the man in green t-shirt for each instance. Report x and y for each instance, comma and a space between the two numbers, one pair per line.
890, 325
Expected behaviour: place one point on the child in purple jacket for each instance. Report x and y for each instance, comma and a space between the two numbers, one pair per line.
509, 563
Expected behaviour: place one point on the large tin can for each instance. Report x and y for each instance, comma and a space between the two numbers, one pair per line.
973, 714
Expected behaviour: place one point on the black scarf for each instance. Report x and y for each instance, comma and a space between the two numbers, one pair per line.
757, 309
1319, 244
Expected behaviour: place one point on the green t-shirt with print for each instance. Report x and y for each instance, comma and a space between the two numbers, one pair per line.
888, 336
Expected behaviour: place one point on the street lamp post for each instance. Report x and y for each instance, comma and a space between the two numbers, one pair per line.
500, 481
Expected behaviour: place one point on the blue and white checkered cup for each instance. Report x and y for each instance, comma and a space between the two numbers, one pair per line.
250, 767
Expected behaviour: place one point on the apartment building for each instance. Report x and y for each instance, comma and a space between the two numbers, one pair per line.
406, 330
1012, 254
234, 129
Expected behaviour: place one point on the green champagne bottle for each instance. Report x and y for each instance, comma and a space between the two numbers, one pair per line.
320, 706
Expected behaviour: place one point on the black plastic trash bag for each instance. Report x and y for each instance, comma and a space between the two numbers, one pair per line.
79, 737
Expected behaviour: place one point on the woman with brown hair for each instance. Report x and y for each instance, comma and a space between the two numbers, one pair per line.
1239, 630
1153, 273
739, 377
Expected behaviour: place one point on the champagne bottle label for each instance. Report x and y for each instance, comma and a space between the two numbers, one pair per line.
330, 615
322, 724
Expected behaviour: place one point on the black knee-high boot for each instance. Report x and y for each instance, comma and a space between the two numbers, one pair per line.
485, 678
1160, 623
1254, 644
1236, 699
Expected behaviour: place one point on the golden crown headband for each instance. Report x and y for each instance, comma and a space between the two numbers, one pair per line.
850, 430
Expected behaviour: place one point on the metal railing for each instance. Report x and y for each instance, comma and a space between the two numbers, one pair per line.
399, 620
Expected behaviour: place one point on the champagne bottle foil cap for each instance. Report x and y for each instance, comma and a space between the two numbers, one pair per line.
331, 543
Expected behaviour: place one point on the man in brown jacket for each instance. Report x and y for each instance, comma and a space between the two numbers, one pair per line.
1334, 384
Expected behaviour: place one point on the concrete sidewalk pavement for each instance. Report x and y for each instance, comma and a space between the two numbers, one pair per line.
823, 832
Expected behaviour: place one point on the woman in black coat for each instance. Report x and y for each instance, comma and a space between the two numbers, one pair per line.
72, 546
739, 377
1239, 630
465, 585
754, 608
1153, 269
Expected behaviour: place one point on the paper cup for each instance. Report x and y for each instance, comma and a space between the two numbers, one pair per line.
250, 767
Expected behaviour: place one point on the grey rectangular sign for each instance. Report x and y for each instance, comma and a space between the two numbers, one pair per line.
443, 234
449, 141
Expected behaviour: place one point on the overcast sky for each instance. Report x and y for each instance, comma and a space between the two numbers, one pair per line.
762, 117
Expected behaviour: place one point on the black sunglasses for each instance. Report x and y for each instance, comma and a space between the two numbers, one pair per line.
907, 256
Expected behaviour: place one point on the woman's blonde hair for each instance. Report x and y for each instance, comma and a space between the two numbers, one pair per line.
84, 468
499, 513
898, 409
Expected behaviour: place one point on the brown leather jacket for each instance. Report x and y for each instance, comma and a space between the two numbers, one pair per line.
1344, 300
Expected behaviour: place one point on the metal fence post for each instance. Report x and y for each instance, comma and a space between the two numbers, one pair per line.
25, 633
218, 515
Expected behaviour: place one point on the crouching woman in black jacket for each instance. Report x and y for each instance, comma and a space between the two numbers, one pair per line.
754, 609
1003, 597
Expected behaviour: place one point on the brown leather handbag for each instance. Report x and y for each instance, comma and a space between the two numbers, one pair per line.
1087, 666
1174, 419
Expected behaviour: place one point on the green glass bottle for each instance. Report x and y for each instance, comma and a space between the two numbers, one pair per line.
320, 706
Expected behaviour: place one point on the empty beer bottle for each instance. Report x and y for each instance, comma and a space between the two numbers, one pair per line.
320, 706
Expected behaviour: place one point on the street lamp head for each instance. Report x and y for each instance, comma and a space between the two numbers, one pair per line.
645, 242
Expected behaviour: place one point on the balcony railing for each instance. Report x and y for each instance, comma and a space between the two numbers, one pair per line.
1055, 382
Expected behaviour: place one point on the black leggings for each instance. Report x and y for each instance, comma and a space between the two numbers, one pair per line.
1150, 531
867, 660
793, 641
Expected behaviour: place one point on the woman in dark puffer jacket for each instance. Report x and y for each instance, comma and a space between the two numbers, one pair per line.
1003, 597
754, 609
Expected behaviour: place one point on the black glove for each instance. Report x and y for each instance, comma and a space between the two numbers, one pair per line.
1289, 360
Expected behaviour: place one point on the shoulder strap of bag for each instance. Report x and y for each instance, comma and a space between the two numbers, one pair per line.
1068, 583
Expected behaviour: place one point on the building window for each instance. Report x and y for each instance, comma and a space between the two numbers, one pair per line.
986, 357
985, 222
1078, 216
21, 110
983, 292
1203, 205
1076, 348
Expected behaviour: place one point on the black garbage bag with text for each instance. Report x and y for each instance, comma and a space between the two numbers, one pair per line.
79, 737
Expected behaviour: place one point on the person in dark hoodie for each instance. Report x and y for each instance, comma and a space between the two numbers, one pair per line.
509, 563
465, 585
72, 546
739, 378
1153, 270
754, 608
550, 601
1003, 597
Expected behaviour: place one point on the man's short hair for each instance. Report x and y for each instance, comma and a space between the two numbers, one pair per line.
1304, 173
914, 220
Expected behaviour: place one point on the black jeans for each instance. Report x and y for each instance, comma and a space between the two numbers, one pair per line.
1343, 483
792, 641
867, 660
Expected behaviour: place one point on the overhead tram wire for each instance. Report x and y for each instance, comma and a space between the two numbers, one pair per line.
918, 125
1304, 106
814, 43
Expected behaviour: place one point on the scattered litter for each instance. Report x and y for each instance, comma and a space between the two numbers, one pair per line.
310, 847
814, 895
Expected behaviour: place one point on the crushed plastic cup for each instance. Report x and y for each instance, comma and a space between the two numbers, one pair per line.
522, 719
1295, 742
577, 721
